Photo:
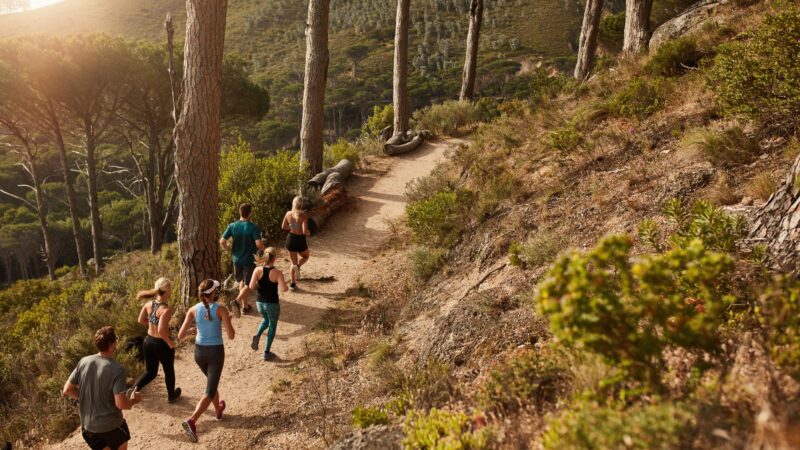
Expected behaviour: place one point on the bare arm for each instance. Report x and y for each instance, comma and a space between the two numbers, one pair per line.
163, 327
260, 244
306, 231
224, 243
257, 274
282, 286
187, 322
70, 390
122, 402
285, 223
143, 315
223, 315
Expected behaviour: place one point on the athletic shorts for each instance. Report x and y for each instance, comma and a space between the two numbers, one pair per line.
112, 439
296, 243
243, 273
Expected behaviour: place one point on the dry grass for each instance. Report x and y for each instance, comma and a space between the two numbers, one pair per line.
762, 186
722, 193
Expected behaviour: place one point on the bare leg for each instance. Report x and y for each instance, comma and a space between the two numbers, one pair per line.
244, 292
293, 257
304, 258
202, 405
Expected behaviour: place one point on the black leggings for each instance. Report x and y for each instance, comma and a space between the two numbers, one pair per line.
157, 351
210, 359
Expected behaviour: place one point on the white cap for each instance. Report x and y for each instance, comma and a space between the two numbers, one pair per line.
212, 288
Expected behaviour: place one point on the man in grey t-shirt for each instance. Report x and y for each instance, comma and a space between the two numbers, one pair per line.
98, 384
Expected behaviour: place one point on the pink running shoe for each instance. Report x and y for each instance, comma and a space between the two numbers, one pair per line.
190, 429
221, 409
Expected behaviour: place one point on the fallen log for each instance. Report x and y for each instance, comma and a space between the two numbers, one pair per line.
344, 168
396, 146
331, 200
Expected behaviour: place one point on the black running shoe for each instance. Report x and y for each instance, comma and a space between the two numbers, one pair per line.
254, 343
292, 286
175, 396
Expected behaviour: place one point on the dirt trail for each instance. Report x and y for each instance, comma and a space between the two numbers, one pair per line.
351, 237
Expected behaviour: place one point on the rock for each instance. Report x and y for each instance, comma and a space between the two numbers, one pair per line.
687, 21
747, 201
380, 437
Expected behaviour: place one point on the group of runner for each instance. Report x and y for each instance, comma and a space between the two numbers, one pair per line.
98, 381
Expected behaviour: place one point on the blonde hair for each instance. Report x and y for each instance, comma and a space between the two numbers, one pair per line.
267, 257
297, 205
161, 287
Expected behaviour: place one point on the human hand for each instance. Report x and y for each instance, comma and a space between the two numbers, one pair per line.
136, 398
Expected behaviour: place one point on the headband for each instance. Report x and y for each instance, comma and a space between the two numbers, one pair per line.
212, 288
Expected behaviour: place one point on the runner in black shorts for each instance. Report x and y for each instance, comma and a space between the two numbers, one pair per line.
296, 223
246, 242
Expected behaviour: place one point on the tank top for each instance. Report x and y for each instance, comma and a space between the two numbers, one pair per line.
153, 318
295, 227
267, 290
209, 332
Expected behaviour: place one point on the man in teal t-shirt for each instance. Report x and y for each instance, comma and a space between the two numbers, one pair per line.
246, 241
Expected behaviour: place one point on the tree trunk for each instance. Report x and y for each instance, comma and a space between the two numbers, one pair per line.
637, 26
154, 208
72, 201
588, 41
197, 138
41, 212
94, 207
313, 122
777, 223
471, 59
402, 104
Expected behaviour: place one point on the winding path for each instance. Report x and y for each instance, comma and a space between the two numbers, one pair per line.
351, 237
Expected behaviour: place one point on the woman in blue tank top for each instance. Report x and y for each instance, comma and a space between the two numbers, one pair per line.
209, 352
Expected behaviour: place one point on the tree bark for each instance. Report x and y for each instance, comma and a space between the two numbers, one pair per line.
72, 202
94, 206
197, 138
777, 223
316, 74
471, 59
588, 41
402, 104
637, 26
41, 211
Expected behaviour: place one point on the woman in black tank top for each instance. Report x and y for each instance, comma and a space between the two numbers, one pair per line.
267, 281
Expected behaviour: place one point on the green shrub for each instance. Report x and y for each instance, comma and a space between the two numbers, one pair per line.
726, 148
612, 31
778, 312
538, 250
340, 150
268, 183
674, 57
370, 145
24, 294
448, 118
589, 425
440, 179
425, 385
640, 98
564, 138
760, 77
439, 220
652, 303
426, 261
707, 223
443, 430
382, 117
528, 379
367, 417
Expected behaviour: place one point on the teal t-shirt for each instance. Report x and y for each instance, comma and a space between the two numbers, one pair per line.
244, 234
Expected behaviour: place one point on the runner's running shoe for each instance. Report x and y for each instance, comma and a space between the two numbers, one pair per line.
190, 429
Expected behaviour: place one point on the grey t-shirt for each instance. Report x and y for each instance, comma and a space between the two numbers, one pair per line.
99, 379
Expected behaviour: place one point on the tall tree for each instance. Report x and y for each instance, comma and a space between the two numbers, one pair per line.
637, 26
313, 122
588, 40
471, 59
402, 104
356, 53
197, 138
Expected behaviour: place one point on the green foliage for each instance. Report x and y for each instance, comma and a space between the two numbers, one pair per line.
674, 57
426, 261
778, 313
528, 379
23, 295
382, 117
448, 118
439, 220
539, 249
564, 138
268, 183
424, 385
612, 31
726, 148
640, 98
589, 425
651, 303
440, 179
340, 150
760, 77
707, 223
443, 430
367, 417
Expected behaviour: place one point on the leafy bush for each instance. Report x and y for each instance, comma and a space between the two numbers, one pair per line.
527, 379
674, 57
778, 312
340, 150
707, 223
426, 261
440, 179
448, 118
564, 138
651, 302
537, 250
367, 417
268, 183
589, 425
612, 31
726, 148
425, 385
640, 98
439, 220
382, 117
760, 77
443, 430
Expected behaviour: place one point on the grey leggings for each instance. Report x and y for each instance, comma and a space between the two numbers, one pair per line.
210, 359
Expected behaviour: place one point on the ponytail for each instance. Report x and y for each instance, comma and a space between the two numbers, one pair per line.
147, 294
206, 288
297, 205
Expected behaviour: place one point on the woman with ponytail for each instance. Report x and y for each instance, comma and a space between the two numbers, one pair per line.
296, 223
209, 352
267, 281
158, 347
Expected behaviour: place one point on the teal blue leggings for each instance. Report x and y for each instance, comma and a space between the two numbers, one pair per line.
270, 312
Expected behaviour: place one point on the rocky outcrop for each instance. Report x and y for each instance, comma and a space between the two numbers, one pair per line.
686, 22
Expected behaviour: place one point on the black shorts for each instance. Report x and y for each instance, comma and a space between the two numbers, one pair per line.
243, 273
112, 439
296, 243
